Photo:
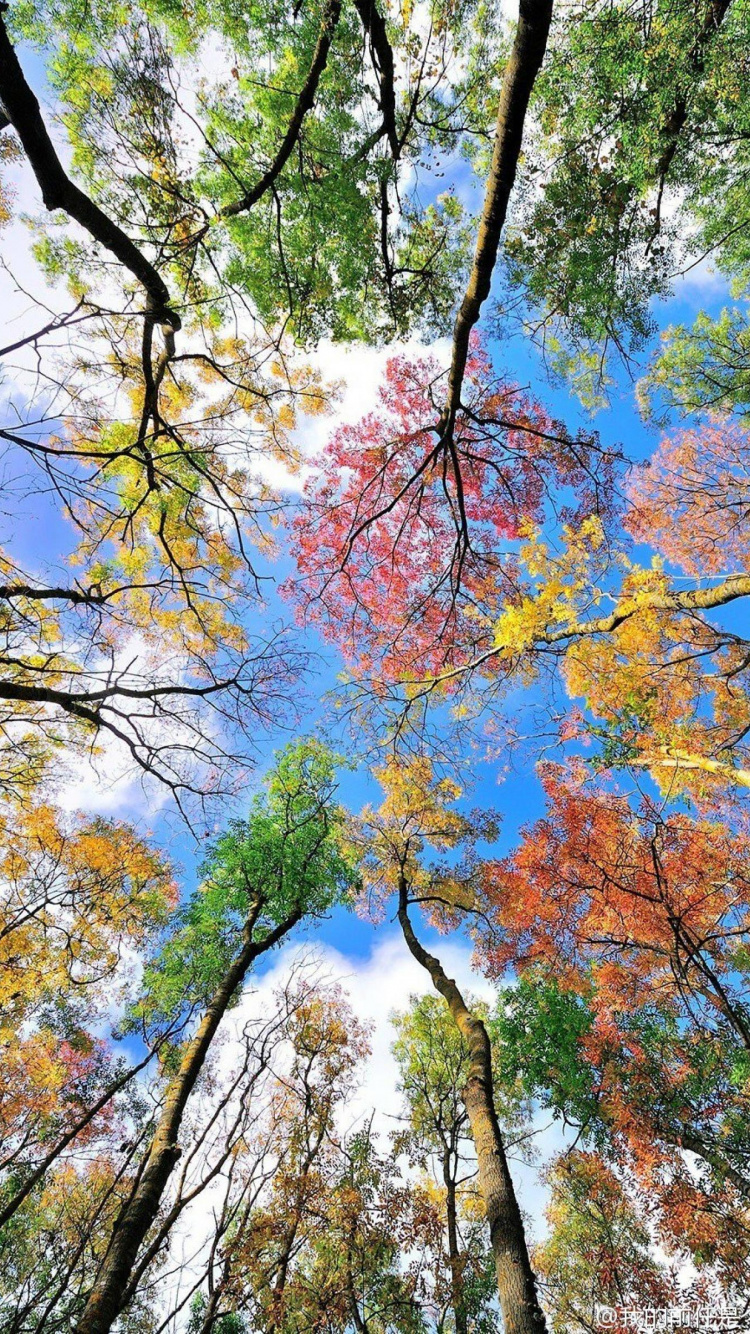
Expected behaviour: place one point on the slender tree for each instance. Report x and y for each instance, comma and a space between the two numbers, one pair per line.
417, 810
262, 878
433, 1063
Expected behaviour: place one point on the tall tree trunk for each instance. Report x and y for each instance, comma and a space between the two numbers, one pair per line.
290, 1235
516, 1284
454, 1252
524, 62
105, 1300
282, 1273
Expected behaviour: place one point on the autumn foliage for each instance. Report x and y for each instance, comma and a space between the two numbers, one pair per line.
212, 192
691, 501
629, 931
640, 900
407, 546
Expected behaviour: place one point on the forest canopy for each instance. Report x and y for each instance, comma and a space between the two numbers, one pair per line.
374, 666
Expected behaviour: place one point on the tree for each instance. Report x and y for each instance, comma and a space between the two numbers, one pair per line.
417, 809
79, 896
405, 560
51, 1245
433, 1065
662, 680
644, 900
642, 1086
598, 1253
637, 108
327, 1045
698, 478
314, 1221
356, 1276
76, 892
703, 369
163, 519
222, 1152
262, 878
629, 1020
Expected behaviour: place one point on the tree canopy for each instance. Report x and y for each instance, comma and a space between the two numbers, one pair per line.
374, 668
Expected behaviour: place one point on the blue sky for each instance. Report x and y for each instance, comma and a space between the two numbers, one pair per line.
518, 796
41, 538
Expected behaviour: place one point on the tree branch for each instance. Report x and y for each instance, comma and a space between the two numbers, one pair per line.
693, 599
59, 192
304, 104
675, 121
382, 59
670, 758
518, 81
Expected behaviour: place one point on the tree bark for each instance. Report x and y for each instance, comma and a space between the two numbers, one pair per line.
105, 1300
670, 758
516, 1283
382, 53
520, 74
358, 1319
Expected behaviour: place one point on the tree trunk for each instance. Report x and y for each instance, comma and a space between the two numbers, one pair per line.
358, 1319
279, 1287
290, 1235
21, 110
454, 1254
516, 1284
523, 65
105, 1301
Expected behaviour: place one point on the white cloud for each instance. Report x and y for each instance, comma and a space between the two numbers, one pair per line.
377, 986
701, 283
358, 371
108, 784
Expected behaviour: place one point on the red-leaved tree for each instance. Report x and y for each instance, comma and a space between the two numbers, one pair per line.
406, 542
